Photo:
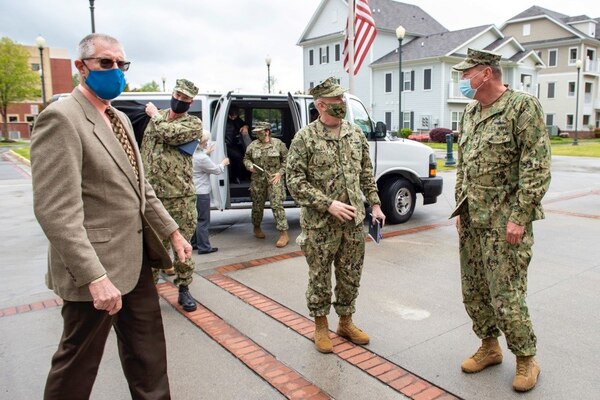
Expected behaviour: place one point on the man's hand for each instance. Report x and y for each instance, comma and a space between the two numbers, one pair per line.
342, 211
514, 233
376, 213
225, 162
151, 110
181, 247
211, 147
276, 178
244, 130
106, 296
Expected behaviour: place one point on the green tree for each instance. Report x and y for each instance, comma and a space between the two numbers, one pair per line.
18, 81
75, 79
149, 87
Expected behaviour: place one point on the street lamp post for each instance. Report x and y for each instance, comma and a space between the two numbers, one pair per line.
41, 42
92, 14
578, 65
164, 80
268, 61
400, 32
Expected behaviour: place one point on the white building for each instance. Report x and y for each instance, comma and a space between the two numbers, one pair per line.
430, 97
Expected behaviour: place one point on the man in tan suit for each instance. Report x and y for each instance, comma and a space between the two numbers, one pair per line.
105, 225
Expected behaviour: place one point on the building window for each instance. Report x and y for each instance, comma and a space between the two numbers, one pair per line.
571, 91
311, 85
30, 119
455, 118
388, 82
337, 52
35, 67
549, 119
409, 81
427, 79
586, 120
552, 58
526, 29
13, 118
311, 57
587, 96
570, 120
407, 120
324, 55
551, 87
572, 55
388, 119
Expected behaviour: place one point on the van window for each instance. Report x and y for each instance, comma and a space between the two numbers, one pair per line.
273, 116
361, 117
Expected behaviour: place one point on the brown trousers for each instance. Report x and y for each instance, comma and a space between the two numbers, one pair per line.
141, 343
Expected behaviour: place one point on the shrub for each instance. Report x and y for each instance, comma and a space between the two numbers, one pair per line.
597, 133
405, 133
438, 135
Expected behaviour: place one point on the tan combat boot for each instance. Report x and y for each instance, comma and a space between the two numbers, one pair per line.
258, 232
488, 354
283, 239
527, 373
348, 330
322, 340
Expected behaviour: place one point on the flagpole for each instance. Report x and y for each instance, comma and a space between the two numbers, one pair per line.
351, 46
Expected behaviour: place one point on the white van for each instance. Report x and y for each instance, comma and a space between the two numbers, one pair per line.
402, 168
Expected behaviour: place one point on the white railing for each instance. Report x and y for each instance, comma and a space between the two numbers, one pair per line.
592, 66
454, 91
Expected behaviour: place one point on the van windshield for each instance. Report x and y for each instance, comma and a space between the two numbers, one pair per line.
361, 117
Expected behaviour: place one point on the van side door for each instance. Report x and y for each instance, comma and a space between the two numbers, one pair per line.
219, 196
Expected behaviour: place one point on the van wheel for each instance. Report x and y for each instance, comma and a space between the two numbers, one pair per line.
398, 201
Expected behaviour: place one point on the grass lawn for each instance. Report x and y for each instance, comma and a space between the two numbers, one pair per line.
560, 147
3, 144
23, 151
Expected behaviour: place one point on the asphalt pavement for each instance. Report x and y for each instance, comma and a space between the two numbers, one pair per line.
252, 292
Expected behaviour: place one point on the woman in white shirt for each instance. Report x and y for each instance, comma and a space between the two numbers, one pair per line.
203, 167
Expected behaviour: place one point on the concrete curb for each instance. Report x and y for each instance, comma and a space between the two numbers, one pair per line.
18, 158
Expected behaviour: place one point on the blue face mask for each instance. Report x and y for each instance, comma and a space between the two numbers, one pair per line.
464, 85
106, 83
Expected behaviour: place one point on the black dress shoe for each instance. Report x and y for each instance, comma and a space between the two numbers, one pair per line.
212, 250
186, 300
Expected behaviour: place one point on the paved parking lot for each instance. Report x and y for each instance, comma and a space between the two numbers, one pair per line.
250, 339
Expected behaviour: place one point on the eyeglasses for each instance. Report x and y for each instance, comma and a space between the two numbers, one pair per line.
107, 63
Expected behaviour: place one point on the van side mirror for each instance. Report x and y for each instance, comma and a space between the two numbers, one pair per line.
380, 130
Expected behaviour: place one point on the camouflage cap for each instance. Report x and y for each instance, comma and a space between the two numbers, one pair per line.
478, 57
328, 88
186, 87
261, 126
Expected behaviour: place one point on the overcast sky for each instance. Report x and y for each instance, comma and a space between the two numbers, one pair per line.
221, 45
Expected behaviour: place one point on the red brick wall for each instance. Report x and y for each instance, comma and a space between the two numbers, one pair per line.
62, 81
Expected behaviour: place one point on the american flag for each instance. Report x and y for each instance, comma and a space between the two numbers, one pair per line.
364, 34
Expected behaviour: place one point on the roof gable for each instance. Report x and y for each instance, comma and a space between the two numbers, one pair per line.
387, 14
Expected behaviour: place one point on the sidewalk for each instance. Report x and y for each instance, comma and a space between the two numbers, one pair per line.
250, 338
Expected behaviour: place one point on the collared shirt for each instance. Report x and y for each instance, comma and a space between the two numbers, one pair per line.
168, 170
203, 167
98, 104
503, 161
323, 166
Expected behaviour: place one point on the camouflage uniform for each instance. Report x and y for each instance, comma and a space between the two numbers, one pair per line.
323, 167
503, 173
170, 173
271, 158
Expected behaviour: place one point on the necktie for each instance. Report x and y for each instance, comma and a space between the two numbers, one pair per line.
121, 136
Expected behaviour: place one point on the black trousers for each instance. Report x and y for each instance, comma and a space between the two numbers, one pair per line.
141, 343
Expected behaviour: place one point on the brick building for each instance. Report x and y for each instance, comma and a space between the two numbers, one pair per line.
57, 79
